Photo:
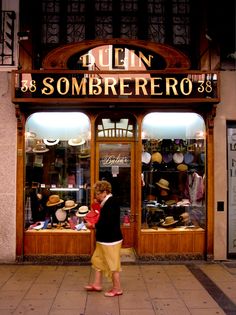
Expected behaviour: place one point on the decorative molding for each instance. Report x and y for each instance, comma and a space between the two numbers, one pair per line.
20, 120
58, 58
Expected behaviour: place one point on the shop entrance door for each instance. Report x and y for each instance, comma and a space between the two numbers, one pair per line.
115, 165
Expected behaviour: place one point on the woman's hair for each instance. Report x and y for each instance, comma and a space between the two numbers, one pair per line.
101, 186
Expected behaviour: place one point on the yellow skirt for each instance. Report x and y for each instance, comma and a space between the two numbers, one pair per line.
106, 258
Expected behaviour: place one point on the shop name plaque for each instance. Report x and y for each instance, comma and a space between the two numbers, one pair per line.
71, 85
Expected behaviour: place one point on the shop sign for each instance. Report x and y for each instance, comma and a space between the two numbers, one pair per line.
137, 86
114, 160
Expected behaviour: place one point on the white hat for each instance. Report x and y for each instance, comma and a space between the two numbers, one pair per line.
146, 157
70, 204
178, 157
82, 211
40, 147
76, 141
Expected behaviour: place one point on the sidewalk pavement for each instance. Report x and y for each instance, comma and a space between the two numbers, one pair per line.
197, 288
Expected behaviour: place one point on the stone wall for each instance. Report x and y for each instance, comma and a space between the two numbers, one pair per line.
8, 140
226, 110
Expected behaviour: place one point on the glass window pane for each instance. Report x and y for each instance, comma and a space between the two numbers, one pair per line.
57, 169
173, 170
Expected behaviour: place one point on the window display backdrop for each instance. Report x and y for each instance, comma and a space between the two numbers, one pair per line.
57, 170
173, 171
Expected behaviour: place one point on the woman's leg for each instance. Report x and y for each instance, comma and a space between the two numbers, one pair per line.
116, 281
97, 279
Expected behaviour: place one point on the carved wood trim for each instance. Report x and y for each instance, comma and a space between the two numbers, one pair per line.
58, 58
20, 120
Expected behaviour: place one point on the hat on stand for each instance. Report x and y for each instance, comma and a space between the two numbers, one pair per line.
163, 183
82, 211
70, 204
54, 200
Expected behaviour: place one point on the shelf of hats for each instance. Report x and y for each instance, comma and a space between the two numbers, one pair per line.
173, 178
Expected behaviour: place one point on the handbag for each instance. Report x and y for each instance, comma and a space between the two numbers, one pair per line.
92, 216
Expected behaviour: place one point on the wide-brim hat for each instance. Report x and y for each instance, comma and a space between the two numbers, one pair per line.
61, 215
40, 148
157, 157
76, 141
84, 153
182, 167
82, 211
178, 157
188, 157
163, 183
54, 200
51, 142
146, 157
70, 204
169, 221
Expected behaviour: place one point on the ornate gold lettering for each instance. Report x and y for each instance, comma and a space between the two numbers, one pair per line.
154, 86
140, 86
95, 86
117, 57
171, 86
77, 88
66, 85
123, 86
144, 59
48, 89
188, 83
109, 83
87, 60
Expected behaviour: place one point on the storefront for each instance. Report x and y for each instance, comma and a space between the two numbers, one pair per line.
130, 112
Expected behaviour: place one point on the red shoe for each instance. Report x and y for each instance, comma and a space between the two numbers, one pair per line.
91, 287
113, 293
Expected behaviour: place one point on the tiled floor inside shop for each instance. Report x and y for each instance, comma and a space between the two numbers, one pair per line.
197, 288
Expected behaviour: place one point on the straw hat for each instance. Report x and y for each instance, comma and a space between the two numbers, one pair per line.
84, 153
182, 167
169, 221
54, 200
163, 183
76, 141
61, 215
82, 211
156, 157
40, 147
70, 204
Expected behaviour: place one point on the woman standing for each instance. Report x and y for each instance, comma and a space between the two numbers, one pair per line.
106, 257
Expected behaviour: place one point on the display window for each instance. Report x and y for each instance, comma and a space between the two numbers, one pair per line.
173, 171
57, 170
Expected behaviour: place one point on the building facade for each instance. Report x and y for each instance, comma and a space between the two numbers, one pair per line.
151, 109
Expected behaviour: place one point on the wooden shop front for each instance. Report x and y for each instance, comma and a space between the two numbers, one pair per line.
131, 112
